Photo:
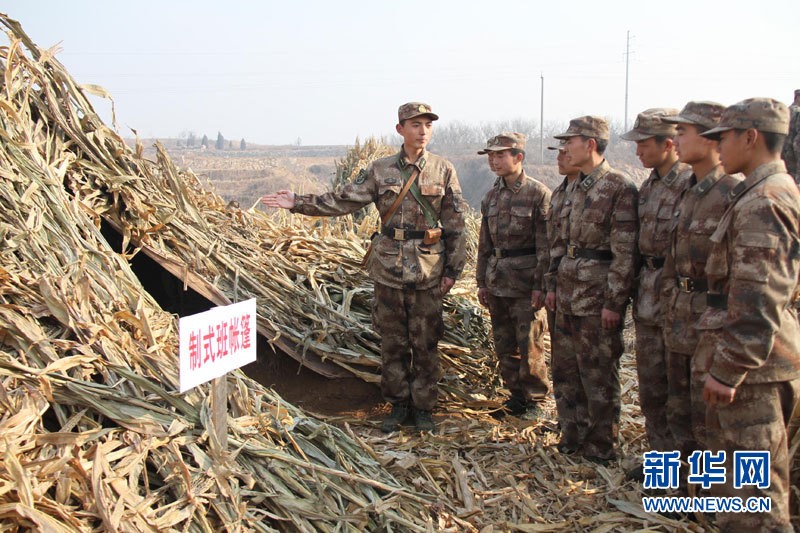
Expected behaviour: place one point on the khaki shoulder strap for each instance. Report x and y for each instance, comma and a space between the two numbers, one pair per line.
388, 216
409, 182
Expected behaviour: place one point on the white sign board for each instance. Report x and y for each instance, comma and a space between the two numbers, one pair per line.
215, 342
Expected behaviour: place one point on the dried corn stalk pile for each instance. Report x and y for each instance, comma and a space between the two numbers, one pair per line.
93, 434
313, 298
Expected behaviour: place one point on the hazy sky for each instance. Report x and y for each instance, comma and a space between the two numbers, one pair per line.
327, 71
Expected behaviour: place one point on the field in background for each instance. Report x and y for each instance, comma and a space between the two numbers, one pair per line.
243, 176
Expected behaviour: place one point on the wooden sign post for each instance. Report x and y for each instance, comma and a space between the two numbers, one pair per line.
212, 344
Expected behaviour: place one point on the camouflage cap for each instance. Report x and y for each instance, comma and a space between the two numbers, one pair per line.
705, 114
763, 114
650, 123
504, 141
587, 126
415, 109
560, 146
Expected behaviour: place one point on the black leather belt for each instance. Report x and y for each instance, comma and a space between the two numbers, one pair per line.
652, 262
687, 284
400, 234
717, 301
514, 252
587, 253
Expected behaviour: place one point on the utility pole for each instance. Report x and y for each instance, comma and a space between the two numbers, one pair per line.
541, 123
627, 61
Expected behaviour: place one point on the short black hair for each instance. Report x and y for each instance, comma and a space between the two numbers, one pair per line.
601, 144
774, 141
515, 151
660, 139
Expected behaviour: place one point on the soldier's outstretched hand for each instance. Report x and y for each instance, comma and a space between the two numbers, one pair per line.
283, 199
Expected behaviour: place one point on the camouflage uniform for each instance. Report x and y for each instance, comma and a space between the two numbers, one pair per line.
750, 335
684, 296
513, 255
407, 309
594, 259
558, 200
658, 196
683, 285
791, 148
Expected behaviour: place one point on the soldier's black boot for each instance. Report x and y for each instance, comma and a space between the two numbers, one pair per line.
514, 406
423, 420
399, 414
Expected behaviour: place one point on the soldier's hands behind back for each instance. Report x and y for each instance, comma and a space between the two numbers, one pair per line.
282, 199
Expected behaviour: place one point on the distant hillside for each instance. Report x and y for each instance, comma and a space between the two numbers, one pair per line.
243, 176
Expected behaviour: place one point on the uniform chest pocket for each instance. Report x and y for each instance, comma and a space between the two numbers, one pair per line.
703, 226
593, 227
389, 188
665, 222
521, 222
387, 194
429, 189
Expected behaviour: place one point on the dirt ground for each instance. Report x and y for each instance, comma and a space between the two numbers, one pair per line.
314, 393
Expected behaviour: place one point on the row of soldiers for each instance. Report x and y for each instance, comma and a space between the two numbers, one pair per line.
707, 248
709, 257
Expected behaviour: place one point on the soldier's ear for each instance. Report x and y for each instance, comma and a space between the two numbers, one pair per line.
751, 137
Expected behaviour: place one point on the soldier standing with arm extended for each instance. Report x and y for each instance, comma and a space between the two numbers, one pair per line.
658, 196
683, 281
513, 255
594, 281
750, 335
417, 257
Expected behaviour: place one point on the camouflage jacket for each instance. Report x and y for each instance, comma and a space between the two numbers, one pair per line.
404, 263
658, 198
558, 202
698, 214
791, 148
514, 218
755, 264
601, 219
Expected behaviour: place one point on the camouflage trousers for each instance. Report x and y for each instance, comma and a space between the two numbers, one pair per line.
651, 368
686, 410
410, 324
586, 384
518, 334
758, 419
